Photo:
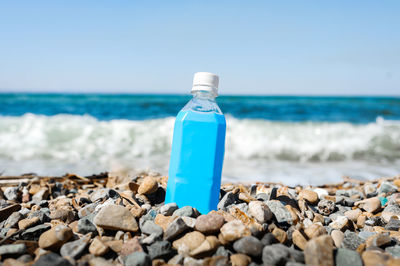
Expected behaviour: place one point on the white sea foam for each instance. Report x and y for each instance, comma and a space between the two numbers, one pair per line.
306, 152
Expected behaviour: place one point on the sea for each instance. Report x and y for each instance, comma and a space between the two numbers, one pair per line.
288, 139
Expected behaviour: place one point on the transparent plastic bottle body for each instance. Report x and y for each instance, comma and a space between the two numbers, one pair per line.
197, 154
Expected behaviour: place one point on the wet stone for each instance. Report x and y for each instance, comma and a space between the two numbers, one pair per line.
248, 245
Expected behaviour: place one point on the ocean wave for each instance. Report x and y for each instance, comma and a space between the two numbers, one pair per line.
101, 145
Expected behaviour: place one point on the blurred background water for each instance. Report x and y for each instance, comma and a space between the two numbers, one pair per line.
269, 138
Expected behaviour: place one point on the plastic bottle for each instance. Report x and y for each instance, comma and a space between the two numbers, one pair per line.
198, 147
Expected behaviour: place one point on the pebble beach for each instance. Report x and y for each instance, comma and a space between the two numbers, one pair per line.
121, 220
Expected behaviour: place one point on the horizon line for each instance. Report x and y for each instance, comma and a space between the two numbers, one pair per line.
188, 94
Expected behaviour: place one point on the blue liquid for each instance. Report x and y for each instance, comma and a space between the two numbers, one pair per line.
196, 160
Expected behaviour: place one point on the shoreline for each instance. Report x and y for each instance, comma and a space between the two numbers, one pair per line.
120, 220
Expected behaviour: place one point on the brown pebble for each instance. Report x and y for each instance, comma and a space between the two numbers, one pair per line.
12, 262
54, 238
28, 222
97, 247
319, 251
299, 240
210, 223
353, 214
191, 240
314, 230
209, 245
240, 259
378, 240
130, 246
337, 237
370, 205
280, 235
115, 245
164, 221
361, 221
116, 217
374, 258
149, 185
309, 195
234, 230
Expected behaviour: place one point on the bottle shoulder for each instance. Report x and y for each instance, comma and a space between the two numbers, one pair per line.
202, 106
194, 116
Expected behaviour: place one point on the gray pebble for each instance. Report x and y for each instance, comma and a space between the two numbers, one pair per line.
168, 209
387, 187
184, 211
282, 214
74, 249
149, 227
227, 200
13, 219
160, 250
85, 225
138, 259
249, 245
12, 249
51, 259
347, 257
394, 251
34, 233
176, 228
351, 240
11, 193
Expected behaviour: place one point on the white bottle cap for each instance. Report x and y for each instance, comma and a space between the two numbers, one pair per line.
204, 81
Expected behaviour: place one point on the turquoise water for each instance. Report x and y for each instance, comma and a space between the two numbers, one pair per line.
196, 160
290, 139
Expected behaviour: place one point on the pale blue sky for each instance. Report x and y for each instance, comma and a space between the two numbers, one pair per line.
257, 47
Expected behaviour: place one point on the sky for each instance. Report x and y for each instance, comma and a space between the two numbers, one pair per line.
256, 47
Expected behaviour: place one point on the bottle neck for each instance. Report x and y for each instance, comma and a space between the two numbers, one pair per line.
204, 95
